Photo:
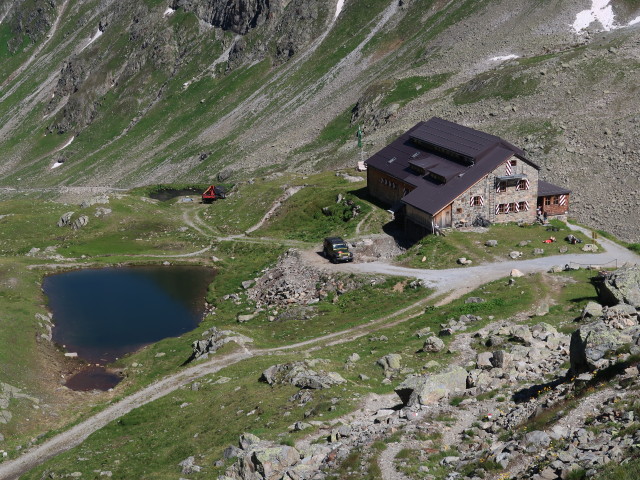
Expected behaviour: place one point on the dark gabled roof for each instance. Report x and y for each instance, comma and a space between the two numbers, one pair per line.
439, 142
462, 140
546, 189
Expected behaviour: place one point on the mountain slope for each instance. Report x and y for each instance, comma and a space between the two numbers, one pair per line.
130, 93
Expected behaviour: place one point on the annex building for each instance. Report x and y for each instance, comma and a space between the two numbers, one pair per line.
440, 174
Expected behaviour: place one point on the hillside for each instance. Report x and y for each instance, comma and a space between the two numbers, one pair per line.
123, 94
301, 369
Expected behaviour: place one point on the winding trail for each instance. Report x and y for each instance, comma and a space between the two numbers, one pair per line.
276, 205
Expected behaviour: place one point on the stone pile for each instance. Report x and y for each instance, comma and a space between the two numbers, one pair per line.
263, 460
292, 281
600, 440
612, 329
526, 354
452, 326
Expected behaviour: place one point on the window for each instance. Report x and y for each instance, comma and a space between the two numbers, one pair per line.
502, 208
555, 199
502, 187
476, 201
523, 184
523, 206
514, 163
513, 207
458, 210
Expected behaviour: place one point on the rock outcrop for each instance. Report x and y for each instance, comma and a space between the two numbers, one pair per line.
65, 219
620, 286
238, 17
614, 328
262, 460
428, 389
215, 339
301, 375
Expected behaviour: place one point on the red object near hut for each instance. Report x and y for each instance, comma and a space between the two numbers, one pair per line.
213, 193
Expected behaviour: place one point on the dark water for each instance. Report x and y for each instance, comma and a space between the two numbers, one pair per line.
169, 193
93, 378
103, 314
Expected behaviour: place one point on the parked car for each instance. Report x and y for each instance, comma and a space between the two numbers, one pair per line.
336, 250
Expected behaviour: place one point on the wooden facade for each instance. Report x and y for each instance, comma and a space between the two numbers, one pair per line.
554, 205
385, 187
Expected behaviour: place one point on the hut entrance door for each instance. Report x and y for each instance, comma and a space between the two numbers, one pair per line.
443, 219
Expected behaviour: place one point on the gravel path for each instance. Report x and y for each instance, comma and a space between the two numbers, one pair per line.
467, 279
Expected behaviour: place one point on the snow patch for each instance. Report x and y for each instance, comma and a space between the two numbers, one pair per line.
504, 58
600, 11
56, 165
67, 144
338, 8
96, 36
634, 21
168, 11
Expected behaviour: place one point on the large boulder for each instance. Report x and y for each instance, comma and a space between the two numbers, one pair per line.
591, 310
428, 389
433, 344
300, 375
80, 222
591, 343
620, 286
390, 362
65, 219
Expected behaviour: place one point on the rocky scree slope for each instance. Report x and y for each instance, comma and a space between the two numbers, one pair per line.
514, 411
128, 93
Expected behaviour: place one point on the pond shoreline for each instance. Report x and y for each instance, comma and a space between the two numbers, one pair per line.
102, 314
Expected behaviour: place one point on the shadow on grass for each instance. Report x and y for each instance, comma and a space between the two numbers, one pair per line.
394, 228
